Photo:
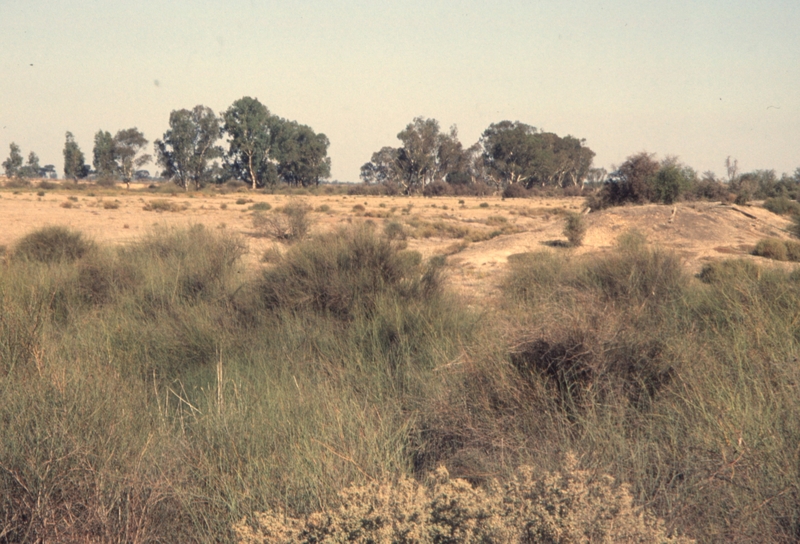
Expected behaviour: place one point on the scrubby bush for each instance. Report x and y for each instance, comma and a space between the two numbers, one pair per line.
565, 507
771, 248
782, 206
575, 229
515, 190
290, 223
53, 244
438, 188
345, 274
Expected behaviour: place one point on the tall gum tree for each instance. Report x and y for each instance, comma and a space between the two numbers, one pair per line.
187, 148
247, 124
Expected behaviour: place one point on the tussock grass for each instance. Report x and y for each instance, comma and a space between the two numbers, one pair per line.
53, 244
159, 392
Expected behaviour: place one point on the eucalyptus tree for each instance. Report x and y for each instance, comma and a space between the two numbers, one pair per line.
187, 148
128, 156
105, 163
300, 153
13, 163
247, 124
75, 166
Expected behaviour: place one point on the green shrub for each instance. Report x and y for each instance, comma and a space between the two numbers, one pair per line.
394, 230
575, 229
484, 205
771, 248
782, 206
345, 274
261, 206
53, 244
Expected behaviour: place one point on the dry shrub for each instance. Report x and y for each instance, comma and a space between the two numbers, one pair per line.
290, 223
575, 229
438, 188
515, 190
53, 244
110, 204
563, 507
162, 205
771, 248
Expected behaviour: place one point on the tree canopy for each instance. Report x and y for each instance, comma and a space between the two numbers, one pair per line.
187, 148
13, 164
248, 125
75, 166
128, 156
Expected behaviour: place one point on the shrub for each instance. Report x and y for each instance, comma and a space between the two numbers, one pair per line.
53, 244
344, 274
515, 190
261, 206
242, 201
771, 248
483, 205
575, 229
110, 204
563, 507
394, 230
323, 208
782, 206
290, 223
162, 205
438, 188
66, 204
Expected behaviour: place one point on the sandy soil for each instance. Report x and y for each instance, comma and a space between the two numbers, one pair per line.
699, 232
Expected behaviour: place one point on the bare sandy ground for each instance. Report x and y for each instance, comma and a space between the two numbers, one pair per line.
698, 232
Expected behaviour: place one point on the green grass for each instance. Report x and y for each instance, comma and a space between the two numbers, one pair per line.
160, 391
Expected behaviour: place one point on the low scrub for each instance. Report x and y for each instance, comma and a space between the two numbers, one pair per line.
568, 507
290, 223
782, 206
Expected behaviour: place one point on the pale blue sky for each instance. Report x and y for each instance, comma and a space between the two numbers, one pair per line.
699, 79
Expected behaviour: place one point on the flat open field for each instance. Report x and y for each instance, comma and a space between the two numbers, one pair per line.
477, 233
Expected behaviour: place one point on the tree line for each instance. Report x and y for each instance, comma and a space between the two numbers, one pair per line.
262, 149
507, 154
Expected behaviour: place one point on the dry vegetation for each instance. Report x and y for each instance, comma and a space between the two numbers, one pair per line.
300, 367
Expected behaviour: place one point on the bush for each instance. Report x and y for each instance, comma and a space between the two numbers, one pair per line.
438, 188
162, 205
771, 248
345, 274
53, 244
515, 190
565, 507
575, 229
782, 206
289, 224
261, 206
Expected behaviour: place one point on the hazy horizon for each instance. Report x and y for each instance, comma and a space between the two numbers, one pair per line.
702, 81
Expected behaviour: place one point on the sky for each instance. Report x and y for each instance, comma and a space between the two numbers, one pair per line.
698, 79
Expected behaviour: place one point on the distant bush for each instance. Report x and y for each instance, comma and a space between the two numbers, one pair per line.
515, 190
110, 204
438, 188
261, 206
290, 223
162, 205
53, 244
565, 507
575, 229
771, 248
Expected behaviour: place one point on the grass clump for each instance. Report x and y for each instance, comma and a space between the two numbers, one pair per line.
53, 244
162, 205
261, 206
345, 274
771, 248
